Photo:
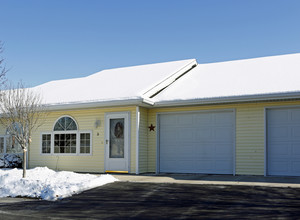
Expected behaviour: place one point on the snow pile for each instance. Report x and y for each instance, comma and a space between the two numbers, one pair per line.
47, 184
10, 161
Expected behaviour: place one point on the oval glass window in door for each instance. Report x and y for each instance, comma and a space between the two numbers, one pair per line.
116, 137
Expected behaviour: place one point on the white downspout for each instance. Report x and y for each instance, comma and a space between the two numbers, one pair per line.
137, 135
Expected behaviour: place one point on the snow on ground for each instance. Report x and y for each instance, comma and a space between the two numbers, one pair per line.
47, 184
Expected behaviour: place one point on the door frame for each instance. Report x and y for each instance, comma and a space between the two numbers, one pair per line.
127, 135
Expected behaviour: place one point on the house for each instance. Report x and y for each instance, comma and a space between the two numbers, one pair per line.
237, 117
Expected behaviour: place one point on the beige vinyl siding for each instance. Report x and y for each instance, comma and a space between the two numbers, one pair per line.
86, 122
152, 138
250, 133
250, 140
249, 145
143, 137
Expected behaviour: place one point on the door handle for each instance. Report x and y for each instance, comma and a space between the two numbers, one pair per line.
106, 141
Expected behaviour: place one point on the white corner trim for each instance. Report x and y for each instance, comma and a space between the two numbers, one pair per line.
137, 139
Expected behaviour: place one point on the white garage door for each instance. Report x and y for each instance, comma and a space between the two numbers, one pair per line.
196, 142
283, 142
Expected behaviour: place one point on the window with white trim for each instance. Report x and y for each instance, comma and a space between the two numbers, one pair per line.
85, 143
46, 143
66, 139
65, 143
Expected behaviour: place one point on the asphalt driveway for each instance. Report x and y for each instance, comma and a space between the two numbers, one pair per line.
128, 200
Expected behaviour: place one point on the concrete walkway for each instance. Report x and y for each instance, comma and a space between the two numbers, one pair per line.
293, 182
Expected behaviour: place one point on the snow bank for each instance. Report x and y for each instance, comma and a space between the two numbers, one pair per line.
47, 184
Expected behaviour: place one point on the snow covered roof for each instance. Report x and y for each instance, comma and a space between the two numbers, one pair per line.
120, 85
259, 78
180, 83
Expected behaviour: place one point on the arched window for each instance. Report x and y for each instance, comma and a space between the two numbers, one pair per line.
66, 138
65, 135
65, 123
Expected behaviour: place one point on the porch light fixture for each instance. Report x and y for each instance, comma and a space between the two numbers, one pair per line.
97, 123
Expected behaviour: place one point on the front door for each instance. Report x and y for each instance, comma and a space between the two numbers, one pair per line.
117, 142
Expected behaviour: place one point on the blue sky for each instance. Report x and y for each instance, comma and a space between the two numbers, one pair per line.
59, 39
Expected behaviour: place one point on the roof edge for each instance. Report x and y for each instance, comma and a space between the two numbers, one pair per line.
109, 103
231, 99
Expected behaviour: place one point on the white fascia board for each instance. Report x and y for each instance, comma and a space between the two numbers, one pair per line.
148, 102
111, 103
166, 82
224, 100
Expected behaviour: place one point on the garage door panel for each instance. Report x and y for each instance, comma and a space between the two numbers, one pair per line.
283, 141
223, 150
205, 166
184, 152
169, 137
204, 150
279, 150
296, 150
204, 134
223, 119
168, 120
183, 166
204, 143
223, 133
296, 132
278, 116
295, 166
184, 120
214, 167
186, 134
223, 166
206, 119
295, 115
278, 132
278, 167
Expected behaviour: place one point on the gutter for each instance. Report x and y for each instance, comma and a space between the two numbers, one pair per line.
96, 104
230, 99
